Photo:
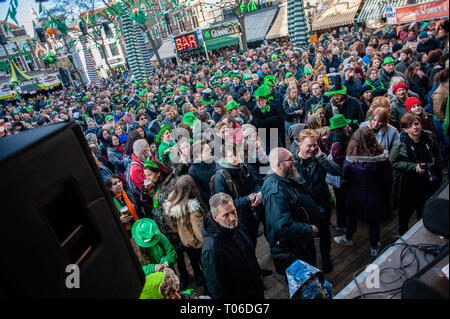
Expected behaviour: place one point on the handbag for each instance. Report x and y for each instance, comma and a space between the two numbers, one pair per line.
333, 180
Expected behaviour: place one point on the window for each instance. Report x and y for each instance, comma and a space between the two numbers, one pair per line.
194, 20
227, 14
31, 64
114, 49
180, 23
18, 62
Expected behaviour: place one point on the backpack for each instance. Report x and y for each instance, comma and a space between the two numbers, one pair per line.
130, 184
230, 184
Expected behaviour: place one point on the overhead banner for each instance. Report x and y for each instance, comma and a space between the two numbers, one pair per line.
391, 15
220, 31
419, 12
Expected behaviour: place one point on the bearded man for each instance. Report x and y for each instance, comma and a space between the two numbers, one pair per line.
291, 214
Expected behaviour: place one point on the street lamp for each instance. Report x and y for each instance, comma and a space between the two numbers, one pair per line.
309, 12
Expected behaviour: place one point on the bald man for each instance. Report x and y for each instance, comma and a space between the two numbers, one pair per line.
290, 213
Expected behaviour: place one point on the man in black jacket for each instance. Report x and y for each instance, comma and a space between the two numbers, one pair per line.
267, 117
228, 259
291, 214
343, 104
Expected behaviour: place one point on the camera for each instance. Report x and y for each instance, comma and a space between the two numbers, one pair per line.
429, 170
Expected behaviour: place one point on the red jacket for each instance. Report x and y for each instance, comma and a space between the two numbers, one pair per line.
136, 172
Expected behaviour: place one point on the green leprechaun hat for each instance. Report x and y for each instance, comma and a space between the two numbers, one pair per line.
145, 232
262, 92
388, 60
189, 119
164, 128
247, 76
232, 105
338, 121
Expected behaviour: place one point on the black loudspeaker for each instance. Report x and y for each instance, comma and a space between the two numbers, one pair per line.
56, 212
435, 212
430, 282
83, 28
105, 24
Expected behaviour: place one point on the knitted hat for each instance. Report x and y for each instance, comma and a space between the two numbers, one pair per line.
364, 89
423, 35
396, 47
409, 103
399, 86
379, 92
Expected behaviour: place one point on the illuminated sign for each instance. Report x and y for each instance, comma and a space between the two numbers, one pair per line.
251, 6
186, 41
220, 31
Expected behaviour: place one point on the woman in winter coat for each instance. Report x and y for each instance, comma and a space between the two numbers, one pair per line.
294, 111
418, 81
417, 168
184, 210
385, 133
115, 154
367, 181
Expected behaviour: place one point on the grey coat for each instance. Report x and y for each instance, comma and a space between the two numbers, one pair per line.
385, 138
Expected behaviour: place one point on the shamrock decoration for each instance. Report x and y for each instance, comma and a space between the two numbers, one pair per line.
207, 34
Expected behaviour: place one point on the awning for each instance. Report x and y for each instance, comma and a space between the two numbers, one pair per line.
222, 42
336, 13
375, 9
166, 51
257, 24
279, 28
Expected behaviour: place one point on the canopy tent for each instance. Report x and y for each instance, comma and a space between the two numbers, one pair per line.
280, 27
166, 51
335, 14
222, 42
297, 28
16, 74
375, 9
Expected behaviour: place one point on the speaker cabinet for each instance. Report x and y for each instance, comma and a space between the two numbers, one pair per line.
56, 212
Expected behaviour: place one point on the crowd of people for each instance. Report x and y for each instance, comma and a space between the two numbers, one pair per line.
200, 155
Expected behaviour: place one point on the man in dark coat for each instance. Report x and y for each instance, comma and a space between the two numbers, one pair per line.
387, 72
267, 117
343, 104
313, 167
228, 258
290, 213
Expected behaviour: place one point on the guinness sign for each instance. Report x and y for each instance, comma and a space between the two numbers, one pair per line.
220, 31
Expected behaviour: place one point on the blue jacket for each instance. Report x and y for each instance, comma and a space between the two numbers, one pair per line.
353, 88
202, 173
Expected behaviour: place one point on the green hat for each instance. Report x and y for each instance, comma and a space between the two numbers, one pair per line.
235, 76
109, 118
183, 88
338, 121
189, 119
316, 107
206, 102
388, 60
269, 78
124, 96
165, 127
274, 56
232, 105
247, 76
227, 74
152, 284
262, 92
307, 71
200, 85
288, 75
145, 232
223, 86
217, 75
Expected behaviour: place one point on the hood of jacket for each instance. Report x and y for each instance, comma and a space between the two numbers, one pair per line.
177, 211
369, 159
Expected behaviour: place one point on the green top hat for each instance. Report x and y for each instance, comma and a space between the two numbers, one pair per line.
109, 118
200, 85
307, 71
338, 121
145, 232
164, 128
189, 119
247, 76
232, 105
388, 60
335, 85
183, 88
262, 92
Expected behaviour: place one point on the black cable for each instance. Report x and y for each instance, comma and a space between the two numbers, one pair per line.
408, 249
